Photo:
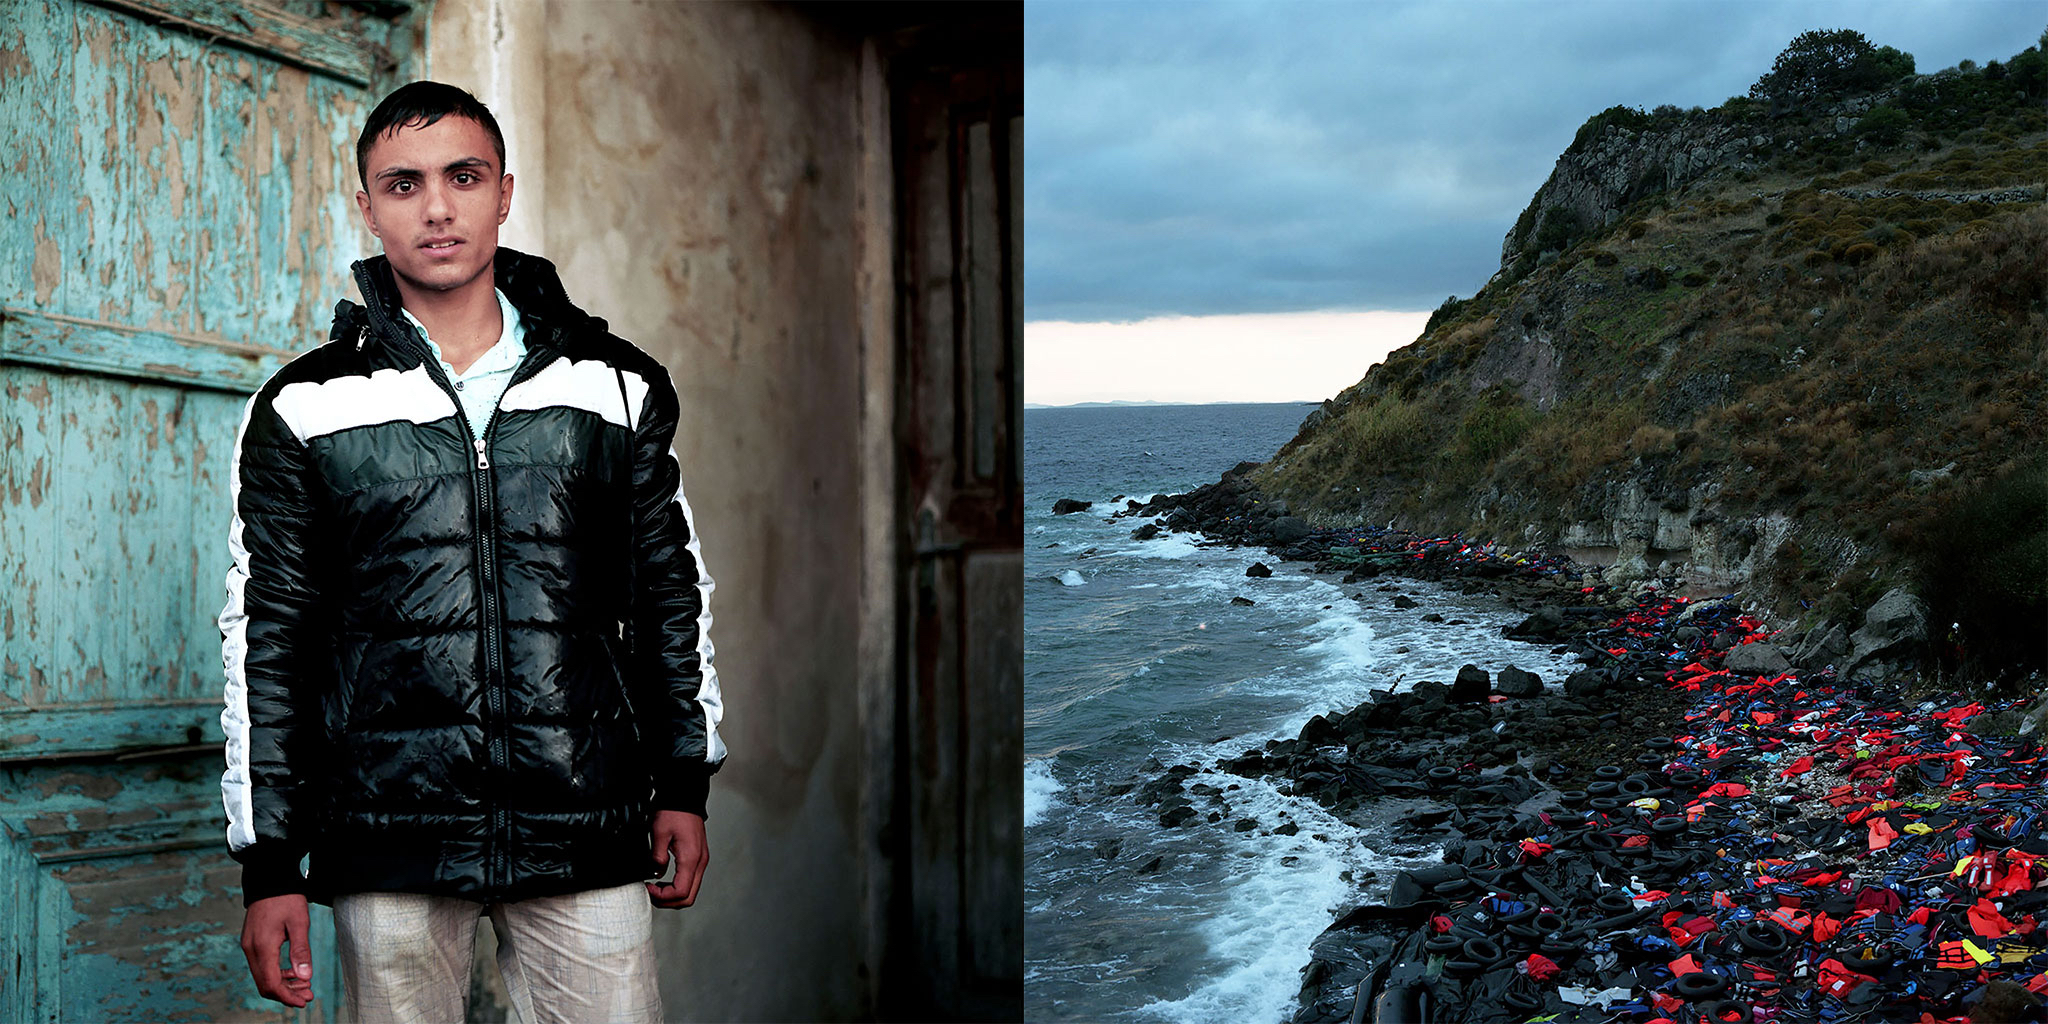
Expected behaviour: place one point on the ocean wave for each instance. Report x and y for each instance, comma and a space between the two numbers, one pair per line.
1040, 790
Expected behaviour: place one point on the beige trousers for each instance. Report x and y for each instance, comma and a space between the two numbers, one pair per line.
571, 959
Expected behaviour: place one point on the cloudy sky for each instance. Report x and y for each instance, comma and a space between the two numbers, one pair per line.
1192, 160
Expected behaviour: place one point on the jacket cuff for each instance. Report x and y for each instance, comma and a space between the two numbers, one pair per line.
684, 788
267, 873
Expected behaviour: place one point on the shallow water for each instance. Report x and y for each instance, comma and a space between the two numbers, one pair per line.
1135, 657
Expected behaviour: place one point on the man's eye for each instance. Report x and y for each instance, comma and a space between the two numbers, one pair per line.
401, 186
465, 178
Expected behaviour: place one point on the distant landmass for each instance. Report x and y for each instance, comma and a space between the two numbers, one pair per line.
1120, 402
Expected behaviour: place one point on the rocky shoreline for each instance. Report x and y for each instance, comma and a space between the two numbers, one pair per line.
1636, 843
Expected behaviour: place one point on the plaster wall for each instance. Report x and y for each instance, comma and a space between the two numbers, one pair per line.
702, 172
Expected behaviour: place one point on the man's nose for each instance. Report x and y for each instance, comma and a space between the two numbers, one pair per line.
438, 207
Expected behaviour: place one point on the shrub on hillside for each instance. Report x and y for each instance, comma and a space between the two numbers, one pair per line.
1493, 426
1826, 64
1985, 567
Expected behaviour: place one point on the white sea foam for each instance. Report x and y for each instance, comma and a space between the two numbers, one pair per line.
1040, 790
1266, 912
1073, 578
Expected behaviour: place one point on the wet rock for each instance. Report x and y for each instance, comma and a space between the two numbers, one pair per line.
1757, 659
1176, 815
1516, 682
1288, 829
1584, 683
1259, 571
1472, 686
1544, 625
1823, 647
1245, 825
1404, 601
1153, 865
1242, 601
1432, 617
1145, 532
1287, 530
1068, 506
1894, 628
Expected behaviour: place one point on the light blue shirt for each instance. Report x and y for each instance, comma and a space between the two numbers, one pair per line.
480, 386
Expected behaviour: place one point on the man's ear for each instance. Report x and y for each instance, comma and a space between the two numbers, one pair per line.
504, 198
363, 207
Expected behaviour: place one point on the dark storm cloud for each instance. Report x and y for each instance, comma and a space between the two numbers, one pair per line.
1197, 158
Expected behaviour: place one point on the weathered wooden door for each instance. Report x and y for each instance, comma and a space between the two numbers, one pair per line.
958, 97
178, 179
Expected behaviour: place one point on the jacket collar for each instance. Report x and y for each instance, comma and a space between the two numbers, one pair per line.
529, 281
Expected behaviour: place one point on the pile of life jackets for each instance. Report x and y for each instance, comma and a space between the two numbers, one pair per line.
1802, 850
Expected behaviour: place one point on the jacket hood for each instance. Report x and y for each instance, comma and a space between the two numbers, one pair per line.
529, 281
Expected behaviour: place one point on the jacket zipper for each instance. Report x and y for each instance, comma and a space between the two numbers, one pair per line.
484, 509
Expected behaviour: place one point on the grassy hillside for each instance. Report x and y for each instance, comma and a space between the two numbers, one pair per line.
1794, 334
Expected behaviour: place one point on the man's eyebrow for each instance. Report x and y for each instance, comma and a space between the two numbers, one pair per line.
408, 172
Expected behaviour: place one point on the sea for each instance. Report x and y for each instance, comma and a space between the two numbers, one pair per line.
1135, 658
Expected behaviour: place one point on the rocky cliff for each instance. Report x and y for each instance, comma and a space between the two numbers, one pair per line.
1750, 349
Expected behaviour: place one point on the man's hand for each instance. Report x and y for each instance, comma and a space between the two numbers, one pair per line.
682, 833
272, 922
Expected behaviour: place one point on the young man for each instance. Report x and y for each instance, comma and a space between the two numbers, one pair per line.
467, 663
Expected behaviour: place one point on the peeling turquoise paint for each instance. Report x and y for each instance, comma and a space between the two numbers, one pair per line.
175, 176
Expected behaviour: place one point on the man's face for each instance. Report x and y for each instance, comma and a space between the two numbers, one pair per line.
435, 196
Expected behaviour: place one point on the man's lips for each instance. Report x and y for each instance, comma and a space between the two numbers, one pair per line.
443, 247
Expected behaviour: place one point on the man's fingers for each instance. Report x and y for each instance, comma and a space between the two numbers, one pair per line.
262, 966
697, 876
295, 929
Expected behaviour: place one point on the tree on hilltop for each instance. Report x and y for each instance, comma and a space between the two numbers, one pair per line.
1827, 64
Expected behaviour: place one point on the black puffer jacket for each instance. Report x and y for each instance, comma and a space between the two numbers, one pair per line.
462, 666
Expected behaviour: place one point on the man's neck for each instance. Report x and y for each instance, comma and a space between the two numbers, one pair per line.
464, 322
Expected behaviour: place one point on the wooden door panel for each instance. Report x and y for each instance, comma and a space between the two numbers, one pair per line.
178, 183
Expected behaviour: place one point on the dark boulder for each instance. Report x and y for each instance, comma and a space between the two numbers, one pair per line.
1584, 683
1544, 625
1258, 571
1404, 601
1515, 682
1243, 601
1287, 530
1473, 686
1145, 532
1065, 506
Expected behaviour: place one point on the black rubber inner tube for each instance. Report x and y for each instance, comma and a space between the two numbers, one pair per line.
1482, 949
1572, 798
1635, 786
1613, 902
1443, 773
1695, 988
1609, 772
1652, 762
1518, 1000
1452, 887
1521, 916
1463, 966
1659, 743
1607, 803
1547, 922
1596, 841
1525, 935
1728, 1011
1442, 945
1669, 825
1549, 895
1603, 787
1762, 938
1686, 780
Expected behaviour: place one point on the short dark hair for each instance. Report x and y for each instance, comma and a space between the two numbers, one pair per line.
421, 104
